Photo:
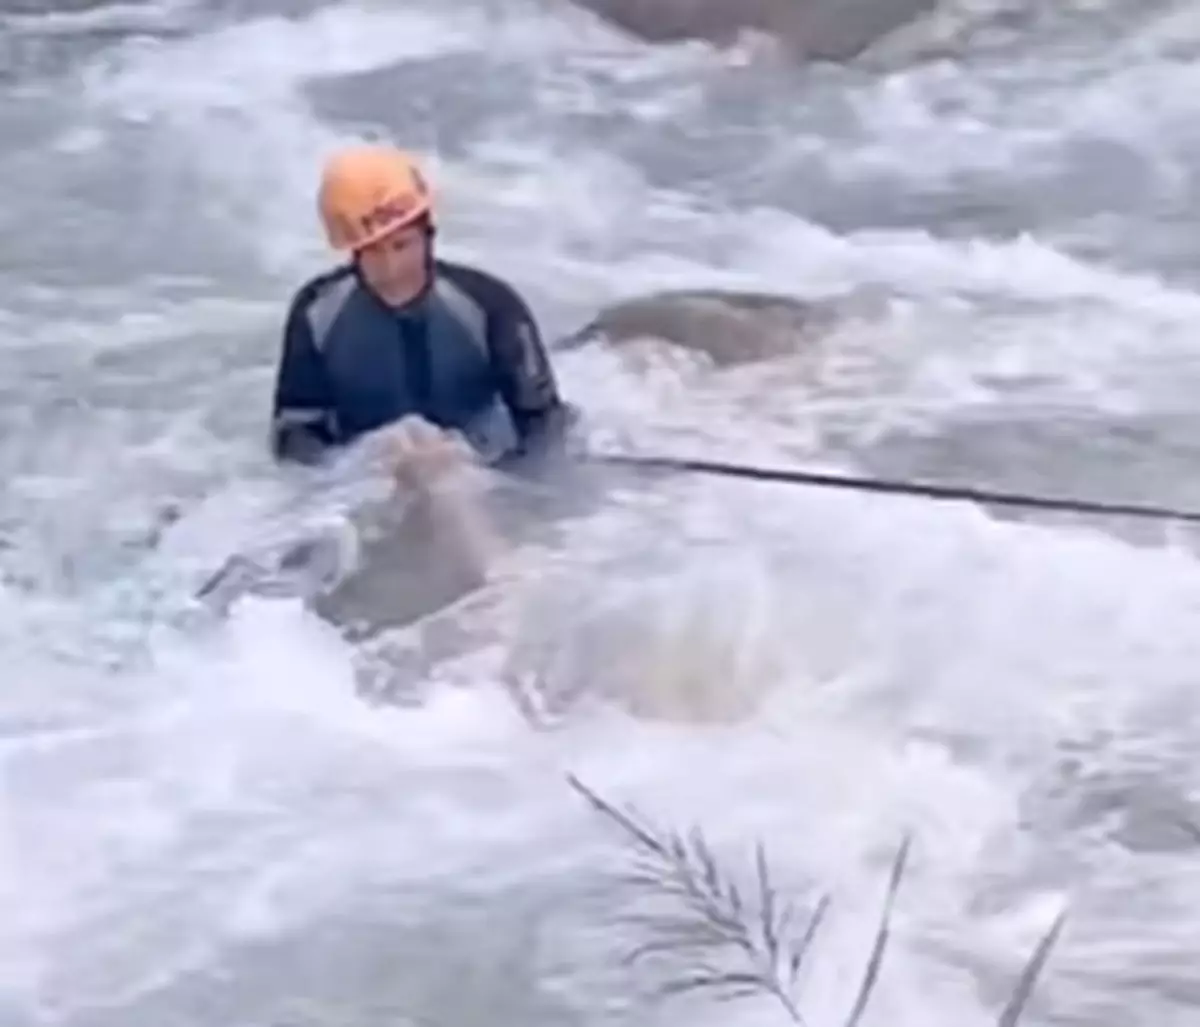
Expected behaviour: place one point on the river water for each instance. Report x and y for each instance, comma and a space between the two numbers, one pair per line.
203, 824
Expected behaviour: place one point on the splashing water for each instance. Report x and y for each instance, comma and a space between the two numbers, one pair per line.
202, 822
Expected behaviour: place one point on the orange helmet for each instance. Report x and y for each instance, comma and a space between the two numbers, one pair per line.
370, 190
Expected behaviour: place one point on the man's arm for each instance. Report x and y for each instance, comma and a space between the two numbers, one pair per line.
519, 356
303, 421
529, 386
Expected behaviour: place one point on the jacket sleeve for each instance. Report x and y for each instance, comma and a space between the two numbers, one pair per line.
527, 378
303, 418
519, 356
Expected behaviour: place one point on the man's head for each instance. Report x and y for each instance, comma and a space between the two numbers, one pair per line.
376, 204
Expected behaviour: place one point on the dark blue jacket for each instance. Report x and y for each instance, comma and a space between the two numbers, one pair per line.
467, 355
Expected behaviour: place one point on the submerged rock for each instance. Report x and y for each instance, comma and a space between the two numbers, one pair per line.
731, 328
829, 30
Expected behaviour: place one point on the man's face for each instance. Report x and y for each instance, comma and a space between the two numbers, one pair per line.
396, 266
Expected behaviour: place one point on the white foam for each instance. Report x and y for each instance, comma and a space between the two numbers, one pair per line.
112, 17
240, 790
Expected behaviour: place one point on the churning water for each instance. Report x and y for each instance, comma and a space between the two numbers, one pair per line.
203, 824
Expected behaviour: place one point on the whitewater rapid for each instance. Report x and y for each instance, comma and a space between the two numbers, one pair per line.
201, 823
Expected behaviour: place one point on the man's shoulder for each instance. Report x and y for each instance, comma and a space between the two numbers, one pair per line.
497, 296
319, 285
317, 306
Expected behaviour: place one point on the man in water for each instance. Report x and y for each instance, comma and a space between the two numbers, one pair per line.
441, 360
399, 337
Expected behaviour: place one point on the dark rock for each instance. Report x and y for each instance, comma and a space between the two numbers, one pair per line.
729, 327
831, 30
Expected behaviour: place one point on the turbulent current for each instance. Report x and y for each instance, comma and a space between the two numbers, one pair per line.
204, 822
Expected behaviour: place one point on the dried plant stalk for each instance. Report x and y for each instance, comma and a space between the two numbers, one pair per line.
717, 920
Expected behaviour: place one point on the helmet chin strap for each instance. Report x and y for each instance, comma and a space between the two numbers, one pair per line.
430, 235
